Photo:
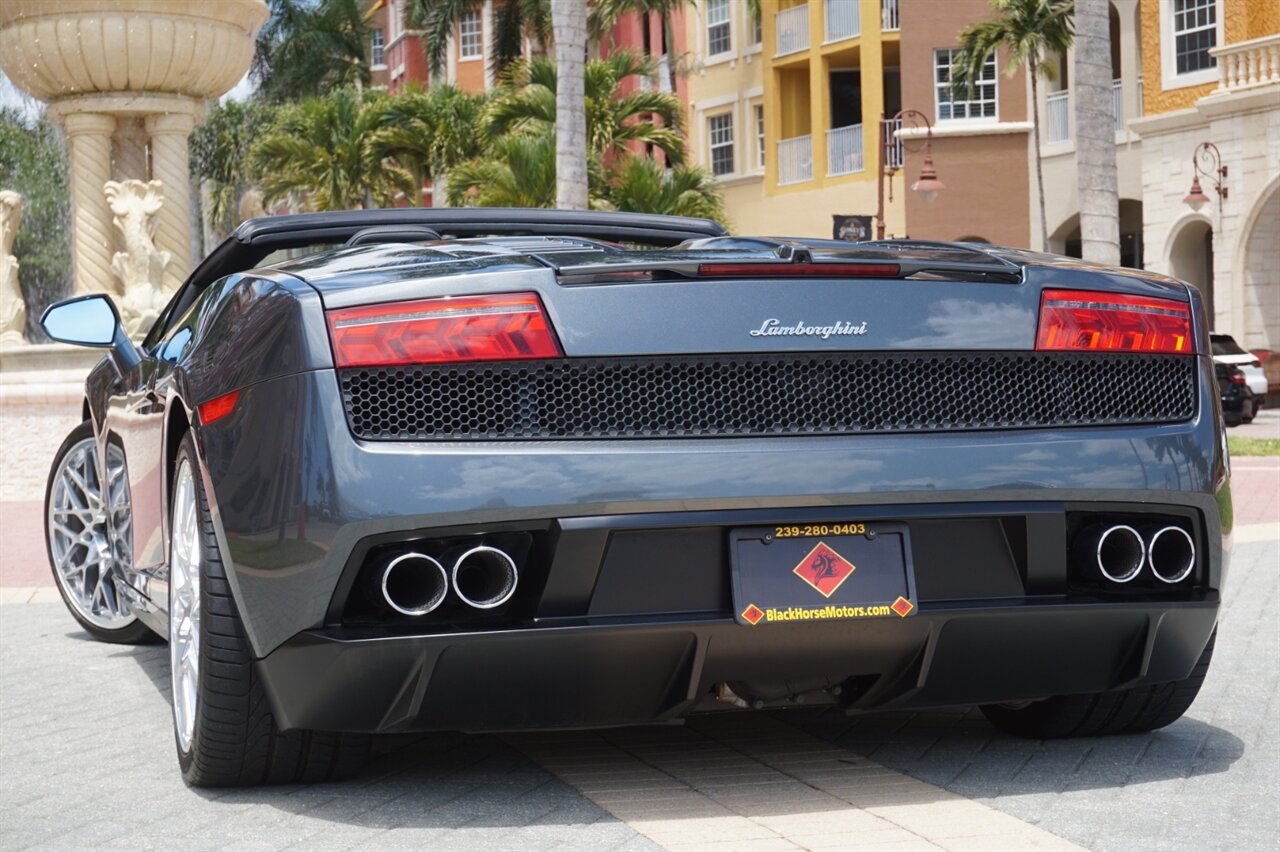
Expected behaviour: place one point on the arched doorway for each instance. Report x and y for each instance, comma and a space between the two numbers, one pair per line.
1191, 259
1130, 212
1260, 269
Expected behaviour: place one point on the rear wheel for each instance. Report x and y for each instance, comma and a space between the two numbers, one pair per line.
223, 726
87, 532
1120, 711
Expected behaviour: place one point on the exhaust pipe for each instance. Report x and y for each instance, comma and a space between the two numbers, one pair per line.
485, 577
414, 584
1120, 553
1171, 554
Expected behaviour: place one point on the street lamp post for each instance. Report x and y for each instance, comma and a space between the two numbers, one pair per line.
1217, 175
928, 184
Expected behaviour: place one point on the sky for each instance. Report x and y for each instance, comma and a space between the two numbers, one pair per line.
11, 97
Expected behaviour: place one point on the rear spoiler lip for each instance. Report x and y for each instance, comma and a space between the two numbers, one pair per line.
569, 275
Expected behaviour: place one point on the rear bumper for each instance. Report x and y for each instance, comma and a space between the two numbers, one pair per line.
295, 495
596, 673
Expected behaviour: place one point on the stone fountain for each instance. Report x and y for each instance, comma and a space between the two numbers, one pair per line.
127, 80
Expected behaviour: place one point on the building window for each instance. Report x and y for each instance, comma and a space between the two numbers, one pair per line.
757, 29
376, 56
718, 38
957, 103
1195, 32
720, 136
759, 116
471, 36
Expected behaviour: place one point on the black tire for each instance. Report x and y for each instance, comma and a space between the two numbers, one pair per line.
235, 741
1121, 711
135, 633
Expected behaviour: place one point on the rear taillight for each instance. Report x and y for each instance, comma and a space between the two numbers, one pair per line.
1237, 376
506, 327
1085, 321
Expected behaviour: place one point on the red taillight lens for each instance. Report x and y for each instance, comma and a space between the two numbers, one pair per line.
808, 270
1085, 321
1237, 377
218, 407
504, 327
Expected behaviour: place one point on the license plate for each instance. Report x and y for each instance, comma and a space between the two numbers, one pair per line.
836, 571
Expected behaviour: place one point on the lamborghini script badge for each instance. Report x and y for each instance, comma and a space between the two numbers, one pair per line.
824, 569
773, 327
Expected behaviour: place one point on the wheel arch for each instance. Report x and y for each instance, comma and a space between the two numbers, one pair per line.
177, 425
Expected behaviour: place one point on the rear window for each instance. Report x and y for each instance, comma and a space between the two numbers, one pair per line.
1225, 345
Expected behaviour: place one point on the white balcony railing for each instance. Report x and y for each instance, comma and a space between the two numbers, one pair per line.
1248, 63
1059, 119
841, 19
793, 29
889, 14
844, 150
895, 153
1117, 104
795, 160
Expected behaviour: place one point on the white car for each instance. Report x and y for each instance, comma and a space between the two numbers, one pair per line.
1227, 351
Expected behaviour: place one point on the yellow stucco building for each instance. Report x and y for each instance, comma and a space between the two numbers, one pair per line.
785, 111
1211, 74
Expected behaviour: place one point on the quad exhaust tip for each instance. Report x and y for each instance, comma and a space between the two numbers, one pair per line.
414, 584
485, 577
1171, 554
1120, 553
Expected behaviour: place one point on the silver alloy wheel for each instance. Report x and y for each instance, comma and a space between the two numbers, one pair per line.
184, 604
90, 529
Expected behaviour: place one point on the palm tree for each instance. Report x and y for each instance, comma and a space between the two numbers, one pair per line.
569, 28
1032, 31
322, 147
1095, 135
515, 21
640, 185
428, 132
308, 48
527, 102
605, 13
220, 157
518, 171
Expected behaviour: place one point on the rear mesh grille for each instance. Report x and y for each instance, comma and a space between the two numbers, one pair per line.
774, 394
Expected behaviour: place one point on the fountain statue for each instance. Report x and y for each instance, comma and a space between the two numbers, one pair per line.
139, 267
128, 80
13, 310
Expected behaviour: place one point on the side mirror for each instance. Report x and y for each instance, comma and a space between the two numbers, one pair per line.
91, 321
83, 321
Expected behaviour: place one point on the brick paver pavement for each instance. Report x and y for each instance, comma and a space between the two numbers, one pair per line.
1209, 781
87, 761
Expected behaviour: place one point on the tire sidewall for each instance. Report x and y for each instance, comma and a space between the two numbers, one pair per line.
186, 452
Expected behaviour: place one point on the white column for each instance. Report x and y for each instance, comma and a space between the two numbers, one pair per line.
169, 164
89, 144
488, 35
1130, 61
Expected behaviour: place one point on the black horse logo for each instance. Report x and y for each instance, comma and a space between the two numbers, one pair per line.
824, 566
